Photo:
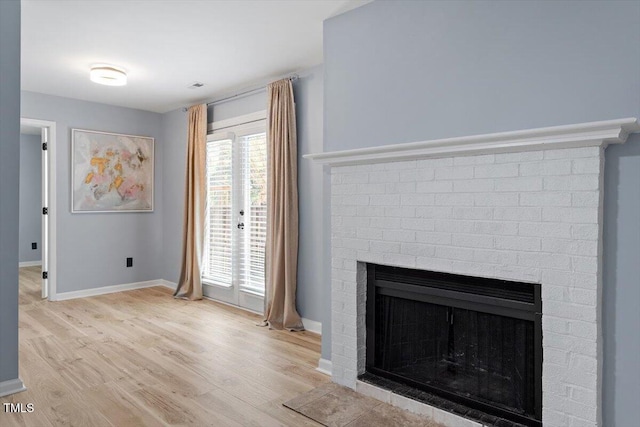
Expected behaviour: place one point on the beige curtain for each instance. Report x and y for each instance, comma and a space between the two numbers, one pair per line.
190, 285
282, 209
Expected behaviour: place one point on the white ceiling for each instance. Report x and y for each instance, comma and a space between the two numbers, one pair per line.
166, 45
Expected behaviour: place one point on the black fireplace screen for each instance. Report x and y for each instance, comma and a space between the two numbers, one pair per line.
474, 341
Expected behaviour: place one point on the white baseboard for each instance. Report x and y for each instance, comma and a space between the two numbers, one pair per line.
29, 263
324, 366
167, 284
107, 290
312, 326
11, 386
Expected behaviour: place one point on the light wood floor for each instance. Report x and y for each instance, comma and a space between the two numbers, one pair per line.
142, 358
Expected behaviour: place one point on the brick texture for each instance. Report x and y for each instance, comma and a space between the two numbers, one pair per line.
532, 216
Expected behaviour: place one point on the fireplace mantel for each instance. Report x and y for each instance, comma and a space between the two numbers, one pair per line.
569, 136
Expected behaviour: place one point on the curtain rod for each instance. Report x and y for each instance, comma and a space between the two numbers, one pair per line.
241, 94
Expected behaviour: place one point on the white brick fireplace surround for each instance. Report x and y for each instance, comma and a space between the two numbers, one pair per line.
523, 206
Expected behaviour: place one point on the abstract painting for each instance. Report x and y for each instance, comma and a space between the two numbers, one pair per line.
111, 172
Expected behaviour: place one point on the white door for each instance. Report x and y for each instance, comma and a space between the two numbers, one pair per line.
235, 234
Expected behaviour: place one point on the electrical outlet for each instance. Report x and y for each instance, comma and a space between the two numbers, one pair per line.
129, 262
34, 245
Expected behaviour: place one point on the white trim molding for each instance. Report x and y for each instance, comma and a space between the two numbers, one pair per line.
11, 386
590, 134
109, 289
29, 263
167, 284
312, 326
51, 217
236, 121
324, 366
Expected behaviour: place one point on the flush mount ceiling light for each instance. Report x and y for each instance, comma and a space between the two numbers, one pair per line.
108, 75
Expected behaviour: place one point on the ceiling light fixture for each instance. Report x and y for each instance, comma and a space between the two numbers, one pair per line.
108, 75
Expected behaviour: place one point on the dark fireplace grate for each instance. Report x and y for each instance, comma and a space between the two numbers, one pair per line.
471, 340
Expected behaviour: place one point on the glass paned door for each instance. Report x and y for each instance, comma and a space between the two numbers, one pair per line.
254, 186
236, 223
219, 233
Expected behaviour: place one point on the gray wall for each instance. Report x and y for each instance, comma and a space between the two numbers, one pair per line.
9, 174
312, 293
409, 71
308, 92
30, 208
174, 135
92, 248
621, 293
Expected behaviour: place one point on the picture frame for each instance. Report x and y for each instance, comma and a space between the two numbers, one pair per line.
111, 172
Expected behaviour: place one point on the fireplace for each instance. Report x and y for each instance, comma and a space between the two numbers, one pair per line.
522, 206
474, 341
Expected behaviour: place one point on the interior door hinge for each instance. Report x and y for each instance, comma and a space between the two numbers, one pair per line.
45, 211
44, 146
45, 274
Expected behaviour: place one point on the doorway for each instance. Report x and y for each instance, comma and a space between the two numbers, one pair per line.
236, 225
42, 133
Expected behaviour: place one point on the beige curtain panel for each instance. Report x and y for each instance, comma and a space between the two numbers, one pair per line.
190, 284
282, 209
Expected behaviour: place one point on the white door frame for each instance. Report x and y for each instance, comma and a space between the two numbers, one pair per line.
233, 295
48, 192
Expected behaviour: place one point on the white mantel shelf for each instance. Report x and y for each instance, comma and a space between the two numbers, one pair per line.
589, 134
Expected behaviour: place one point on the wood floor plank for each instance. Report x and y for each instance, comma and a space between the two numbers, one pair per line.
143, 358
286, 416
179, 410
119, 408
76, 412
236, 409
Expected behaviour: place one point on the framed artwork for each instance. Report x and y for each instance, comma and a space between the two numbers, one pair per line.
111, 172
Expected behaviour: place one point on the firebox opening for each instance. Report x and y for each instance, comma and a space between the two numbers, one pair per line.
473, 341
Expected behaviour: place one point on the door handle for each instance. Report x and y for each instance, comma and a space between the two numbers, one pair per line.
241, 225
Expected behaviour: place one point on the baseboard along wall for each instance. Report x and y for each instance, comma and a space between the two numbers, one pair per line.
107, 290
324, 366
11, 386
29, 263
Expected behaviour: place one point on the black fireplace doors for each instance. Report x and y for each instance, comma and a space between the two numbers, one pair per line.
474, 341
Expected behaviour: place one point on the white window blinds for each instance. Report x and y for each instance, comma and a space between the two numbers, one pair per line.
218, 235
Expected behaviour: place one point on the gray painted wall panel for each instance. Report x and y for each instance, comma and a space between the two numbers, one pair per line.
308, 92
92, 248
9, 182
410, 71
621, 291
30, 198
174, 133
